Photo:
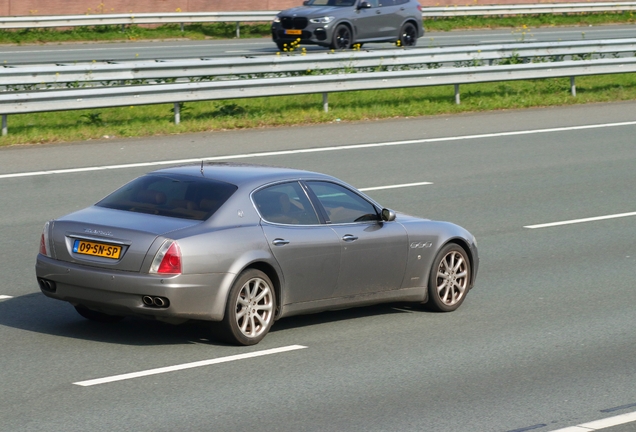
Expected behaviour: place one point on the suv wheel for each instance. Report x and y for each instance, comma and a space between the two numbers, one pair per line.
342, 38
408, 35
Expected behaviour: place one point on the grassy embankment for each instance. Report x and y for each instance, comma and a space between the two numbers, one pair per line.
303, 109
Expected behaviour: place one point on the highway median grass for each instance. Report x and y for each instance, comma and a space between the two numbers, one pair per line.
138, 121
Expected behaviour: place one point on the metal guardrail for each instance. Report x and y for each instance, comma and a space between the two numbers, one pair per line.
345, 78
21, 22
101, 72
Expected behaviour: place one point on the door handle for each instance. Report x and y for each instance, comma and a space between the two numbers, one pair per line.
378, 12
280, 242
349, 238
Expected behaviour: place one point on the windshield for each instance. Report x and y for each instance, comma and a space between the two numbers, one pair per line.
331, 2
171, 195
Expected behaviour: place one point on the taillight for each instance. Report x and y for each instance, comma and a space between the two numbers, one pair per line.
168, 259
419, 7
44, 241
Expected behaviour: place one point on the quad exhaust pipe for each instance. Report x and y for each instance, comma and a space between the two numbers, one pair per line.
158, 302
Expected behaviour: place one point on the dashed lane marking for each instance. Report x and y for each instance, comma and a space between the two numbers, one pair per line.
163, 370
405, 185
577, 221
601, 424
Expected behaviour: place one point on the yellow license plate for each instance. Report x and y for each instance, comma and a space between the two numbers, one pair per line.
96, 249
294, 32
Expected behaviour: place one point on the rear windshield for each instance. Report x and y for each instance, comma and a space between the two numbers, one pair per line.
176, 196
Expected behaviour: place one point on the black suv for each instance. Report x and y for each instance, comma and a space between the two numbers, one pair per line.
340, 24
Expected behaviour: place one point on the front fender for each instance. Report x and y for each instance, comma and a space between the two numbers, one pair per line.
426, 239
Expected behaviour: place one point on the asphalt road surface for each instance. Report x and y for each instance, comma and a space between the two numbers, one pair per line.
51, 53
545, 341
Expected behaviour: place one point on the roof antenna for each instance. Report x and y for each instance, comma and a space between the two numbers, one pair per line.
202, 167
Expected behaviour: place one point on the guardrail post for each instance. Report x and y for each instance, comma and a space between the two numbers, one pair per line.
238, 30
5, 128
177, 113
325, 102
572, 86
457, 100
182, 28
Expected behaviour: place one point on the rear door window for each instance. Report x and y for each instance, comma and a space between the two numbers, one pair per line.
285, 203
171, 195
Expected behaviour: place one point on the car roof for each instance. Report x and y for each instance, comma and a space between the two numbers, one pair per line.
241, 174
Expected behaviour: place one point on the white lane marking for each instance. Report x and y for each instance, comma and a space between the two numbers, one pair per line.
123, 47
502, 40
536, 30
395, 186
5, 297
162, 370
601, 424
576, 221
573, 429
403, 310
317, 150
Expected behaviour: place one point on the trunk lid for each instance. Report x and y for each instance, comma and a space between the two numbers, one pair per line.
108, 238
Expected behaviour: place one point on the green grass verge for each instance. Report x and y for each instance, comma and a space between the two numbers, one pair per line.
527, 22
228, 30
132, 33
307, 109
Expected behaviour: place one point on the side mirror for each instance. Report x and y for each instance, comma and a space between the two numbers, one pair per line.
306, 2
364, 5
388, 215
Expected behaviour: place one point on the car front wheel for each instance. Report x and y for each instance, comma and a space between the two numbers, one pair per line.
449, 280
408, 35
342, 38
249, 313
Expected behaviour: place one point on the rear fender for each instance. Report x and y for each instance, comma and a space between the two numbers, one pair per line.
251, 259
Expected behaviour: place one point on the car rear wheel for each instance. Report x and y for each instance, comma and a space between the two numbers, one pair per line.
449, 280
342, 39
92, 315
408, 35
249, 313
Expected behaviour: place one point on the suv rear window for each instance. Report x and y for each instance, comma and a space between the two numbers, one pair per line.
172, 195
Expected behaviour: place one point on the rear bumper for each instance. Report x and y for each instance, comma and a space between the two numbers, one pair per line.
200, 296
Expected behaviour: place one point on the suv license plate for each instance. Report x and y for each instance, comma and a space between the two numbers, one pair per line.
96, 249
294, 32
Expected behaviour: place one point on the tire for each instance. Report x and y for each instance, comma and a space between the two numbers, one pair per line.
342, 38
449, 280
250, 309
281, 46
92, 315
408, 35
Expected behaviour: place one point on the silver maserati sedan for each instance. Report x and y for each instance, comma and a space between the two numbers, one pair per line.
241, 246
